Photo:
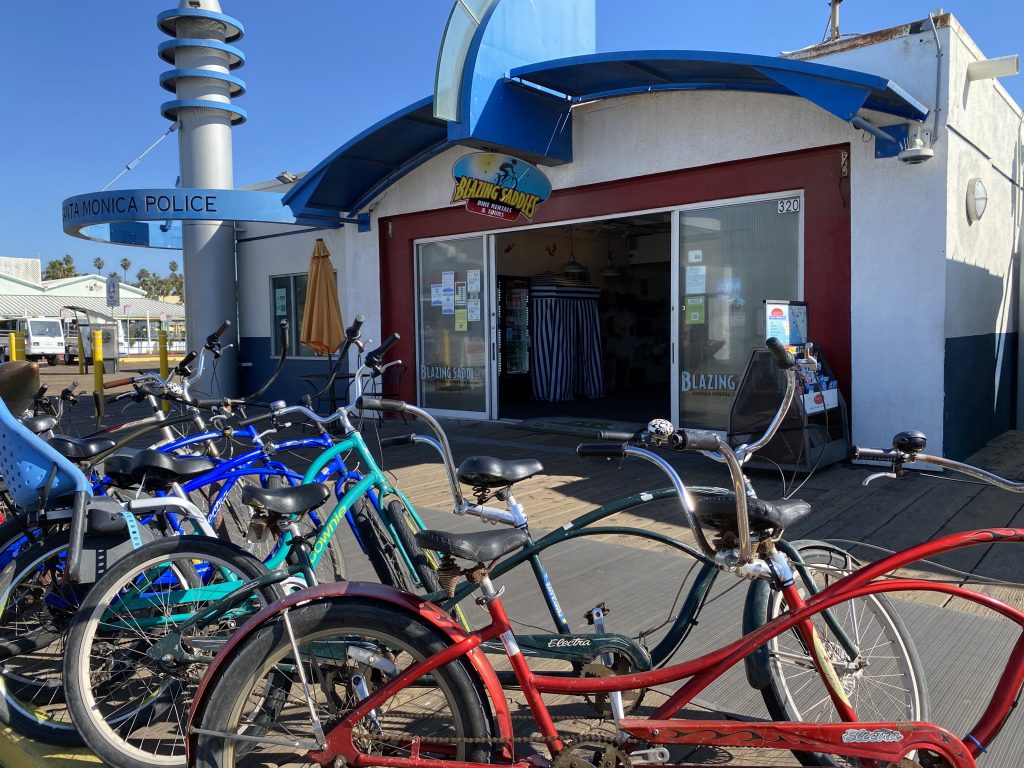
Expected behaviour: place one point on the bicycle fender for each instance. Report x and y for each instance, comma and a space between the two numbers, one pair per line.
413, 604
755, 608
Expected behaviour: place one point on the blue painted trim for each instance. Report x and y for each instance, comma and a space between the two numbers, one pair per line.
168, 80
166, 21
166, 49
169, 109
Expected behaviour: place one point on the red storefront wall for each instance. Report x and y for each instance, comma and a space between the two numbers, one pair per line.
826, 236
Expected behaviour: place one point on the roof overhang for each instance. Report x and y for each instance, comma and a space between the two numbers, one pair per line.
842, 92
361, 169
365, 166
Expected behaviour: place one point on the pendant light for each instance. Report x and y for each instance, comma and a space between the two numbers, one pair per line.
573, 268
610, 272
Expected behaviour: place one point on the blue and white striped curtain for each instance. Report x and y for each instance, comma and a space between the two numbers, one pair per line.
566, 336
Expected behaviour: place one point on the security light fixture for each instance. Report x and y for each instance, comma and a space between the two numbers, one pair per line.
977, 200
985, 69
287, 177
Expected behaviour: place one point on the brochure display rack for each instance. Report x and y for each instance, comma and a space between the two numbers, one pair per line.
815, 431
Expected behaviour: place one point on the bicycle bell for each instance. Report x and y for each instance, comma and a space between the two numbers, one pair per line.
660, 430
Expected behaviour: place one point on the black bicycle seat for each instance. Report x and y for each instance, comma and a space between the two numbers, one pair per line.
78, 448
161, 469
718, 510
478, 547
289, 500
119, 469
39, 424
488, 472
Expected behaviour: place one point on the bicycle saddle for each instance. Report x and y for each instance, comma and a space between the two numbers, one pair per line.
78, 448
477, 547
289, 500
718, 510
39, 424
161, 469
488, 472
119, 469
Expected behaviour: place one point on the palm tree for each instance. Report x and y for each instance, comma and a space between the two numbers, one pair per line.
98, 263
173, 266
126, 264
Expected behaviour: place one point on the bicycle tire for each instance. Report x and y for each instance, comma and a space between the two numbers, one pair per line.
252, 693
379, 548
36, 608
405, 530
127, 707
875, 625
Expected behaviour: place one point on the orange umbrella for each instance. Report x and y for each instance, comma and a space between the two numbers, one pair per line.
322, 329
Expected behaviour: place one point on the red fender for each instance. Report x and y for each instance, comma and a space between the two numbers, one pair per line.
352, 589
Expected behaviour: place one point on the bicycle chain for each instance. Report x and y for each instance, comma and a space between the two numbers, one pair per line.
568, 739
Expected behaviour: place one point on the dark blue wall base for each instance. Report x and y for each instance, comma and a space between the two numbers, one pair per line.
976, 408
256, 350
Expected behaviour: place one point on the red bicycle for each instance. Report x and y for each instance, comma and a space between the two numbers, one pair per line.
357, 674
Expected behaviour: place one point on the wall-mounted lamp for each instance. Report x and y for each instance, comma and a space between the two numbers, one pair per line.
977, 200
287, 177
1004, 66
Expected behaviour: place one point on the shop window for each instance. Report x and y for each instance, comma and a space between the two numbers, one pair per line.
732, 257
287, 301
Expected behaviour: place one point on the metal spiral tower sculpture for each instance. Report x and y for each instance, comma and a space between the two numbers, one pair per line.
203, 56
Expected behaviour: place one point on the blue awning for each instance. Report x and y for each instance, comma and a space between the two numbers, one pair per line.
843, 92
359, 170
363, 167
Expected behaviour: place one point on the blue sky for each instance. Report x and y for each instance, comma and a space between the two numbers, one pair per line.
80, 93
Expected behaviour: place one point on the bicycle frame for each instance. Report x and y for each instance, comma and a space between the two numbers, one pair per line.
882, 741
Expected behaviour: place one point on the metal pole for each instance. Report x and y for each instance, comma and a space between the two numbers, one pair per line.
97, 370
165, 367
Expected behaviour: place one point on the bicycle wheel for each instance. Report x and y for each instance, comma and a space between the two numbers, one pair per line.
129, 705
36, 607
379, 547
405, 530
888, 684
260, 694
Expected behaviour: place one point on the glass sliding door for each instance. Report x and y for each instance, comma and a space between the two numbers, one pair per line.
455, 341
730, 258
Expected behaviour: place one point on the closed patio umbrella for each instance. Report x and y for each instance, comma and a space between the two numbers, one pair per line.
322, 329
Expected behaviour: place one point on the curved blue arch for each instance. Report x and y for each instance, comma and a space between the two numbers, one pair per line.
167, 22
166, 49
169, 109
168, 80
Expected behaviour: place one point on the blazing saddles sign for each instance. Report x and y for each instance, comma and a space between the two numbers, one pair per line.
499, 186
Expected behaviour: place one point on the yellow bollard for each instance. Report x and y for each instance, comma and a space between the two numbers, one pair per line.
12, 348
19, 340
97, 370
165, 367
82, 365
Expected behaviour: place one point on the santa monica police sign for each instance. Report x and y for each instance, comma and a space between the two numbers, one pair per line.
151, 217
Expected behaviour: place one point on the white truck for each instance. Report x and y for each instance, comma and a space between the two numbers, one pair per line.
44, 338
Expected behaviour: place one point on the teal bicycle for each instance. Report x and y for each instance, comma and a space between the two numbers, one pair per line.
149, 626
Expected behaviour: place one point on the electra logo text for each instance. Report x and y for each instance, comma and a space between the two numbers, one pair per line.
864, 736
568, 642
328, 531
